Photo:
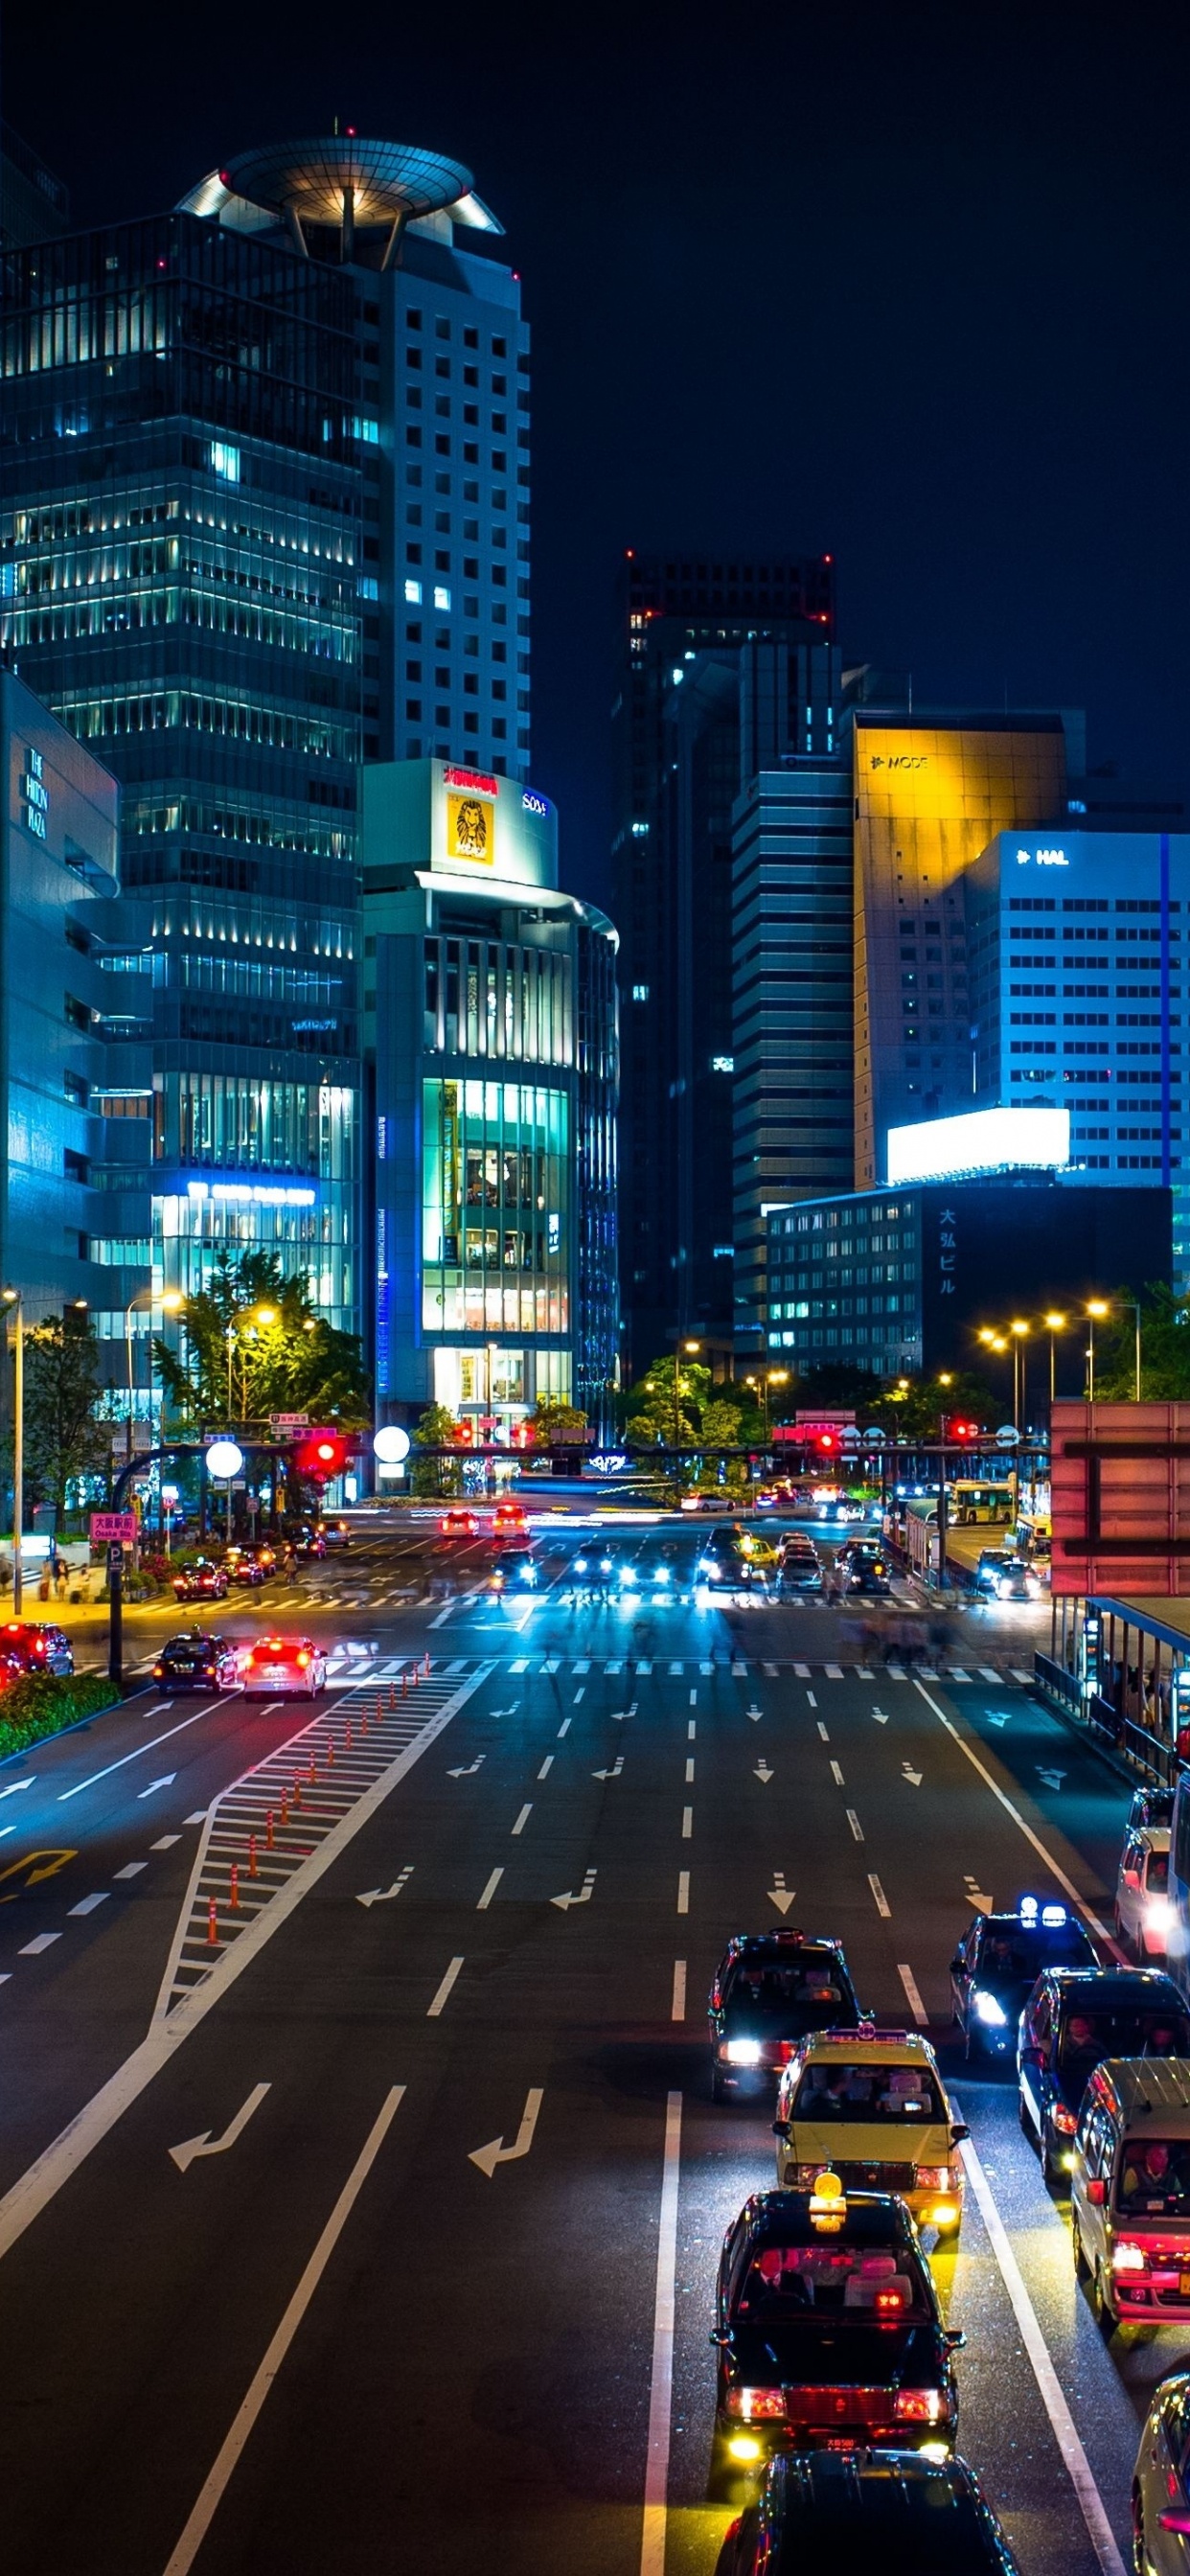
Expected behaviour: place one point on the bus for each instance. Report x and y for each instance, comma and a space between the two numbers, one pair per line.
972, 1498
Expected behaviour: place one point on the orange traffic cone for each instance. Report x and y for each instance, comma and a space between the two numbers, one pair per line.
212, 1927
234, 1899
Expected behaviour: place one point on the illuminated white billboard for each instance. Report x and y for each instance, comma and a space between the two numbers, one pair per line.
982, 1140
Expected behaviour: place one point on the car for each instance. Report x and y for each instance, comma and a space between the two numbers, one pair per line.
309, 1542
998, 1962
721, 1567
1161, 2482
771, 1991
1073, 2020
1142, 1915
756, 1545
1151, 1805
458, 1523
800, 1572
871, 2105
35, 1646
1017, 1581
196, 1661
243, 1568
1130, 2192
864, 1579
336, 1533
828, 2332
991, 1566
511, 1520
859, 2512
706, 1503
202, 1581
284, 1667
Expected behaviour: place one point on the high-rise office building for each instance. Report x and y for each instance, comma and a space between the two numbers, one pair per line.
684, 745
490, 1045
930, 792
265, 466
34, 202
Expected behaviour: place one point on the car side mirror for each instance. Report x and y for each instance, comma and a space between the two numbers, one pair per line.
1175, 2518
1097, 2192
955, 2339
720, 2336
957, 1965
1132, 1878
958, 2131
781, 2129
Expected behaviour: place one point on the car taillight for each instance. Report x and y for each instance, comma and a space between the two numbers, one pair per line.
303, 1660
889, 2303
158, 1672
1064, 2120
919, 2405
756, 2405
933, 2177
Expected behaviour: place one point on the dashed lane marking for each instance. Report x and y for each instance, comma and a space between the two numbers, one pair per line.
856, 1827
916, 2006
882, 1904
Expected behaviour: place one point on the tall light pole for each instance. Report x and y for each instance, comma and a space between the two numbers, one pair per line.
691, 1347
14, 1298
1054, 1324
1096, 1309
172, 1303
257, 1315
1019, 1330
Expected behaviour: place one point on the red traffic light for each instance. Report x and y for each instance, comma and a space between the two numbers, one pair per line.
321, 1454
827, 1443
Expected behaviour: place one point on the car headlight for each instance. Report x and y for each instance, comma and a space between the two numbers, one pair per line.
662, 1575
988, 2010
629, 1579
580, 1565
742, 2052
1157, 1913
1126, 2257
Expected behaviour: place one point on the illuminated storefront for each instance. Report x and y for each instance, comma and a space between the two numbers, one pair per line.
490, 1044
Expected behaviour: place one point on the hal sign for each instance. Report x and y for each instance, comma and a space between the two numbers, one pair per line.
118, 1528
35, 794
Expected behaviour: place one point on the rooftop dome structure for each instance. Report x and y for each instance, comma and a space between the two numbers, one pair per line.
341, 196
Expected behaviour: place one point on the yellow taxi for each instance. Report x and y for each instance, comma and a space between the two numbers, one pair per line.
870, 2106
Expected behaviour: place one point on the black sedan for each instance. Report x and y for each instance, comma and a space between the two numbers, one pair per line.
998, 1962
771, 1990
1074, 2019
828, 2332
202, 1581
801, 1571
192, 1661
892, 2513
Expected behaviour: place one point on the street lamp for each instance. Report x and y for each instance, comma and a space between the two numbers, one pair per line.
1054, 1324
686, 1346
14, 1298
1097, 1308
255, 1314
172, 1303
1019, 1329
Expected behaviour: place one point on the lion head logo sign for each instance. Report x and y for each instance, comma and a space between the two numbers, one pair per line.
471, 827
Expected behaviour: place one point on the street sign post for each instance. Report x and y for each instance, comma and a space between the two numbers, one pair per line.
115, 1557
280, 1423
107, 1527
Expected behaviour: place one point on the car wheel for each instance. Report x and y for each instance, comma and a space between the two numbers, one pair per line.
1081, 2266
1104, 2318
1023, 2116
722, 2476
1051, 2172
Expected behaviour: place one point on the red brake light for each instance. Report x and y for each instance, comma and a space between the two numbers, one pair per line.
303, 1660
890, 2302
919, 2405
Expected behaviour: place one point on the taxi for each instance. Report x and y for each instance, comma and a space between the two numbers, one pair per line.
870, 2105
284, 1667
998, 1962
458, 1523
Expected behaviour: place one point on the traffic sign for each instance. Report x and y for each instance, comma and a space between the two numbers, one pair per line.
115, 1557
1007, 1436
106, 1526
279, 1422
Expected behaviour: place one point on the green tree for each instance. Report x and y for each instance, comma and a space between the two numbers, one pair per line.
63, 1439
545, 1419
253, 1345
436, 1429
1164, 1349
651, 1400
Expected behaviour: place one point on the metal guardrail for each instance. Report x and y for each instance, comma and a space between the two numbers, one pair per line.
1144, 1754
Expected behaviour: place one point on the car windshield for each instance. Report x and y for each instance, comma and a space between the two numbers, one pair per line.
1087, 2038
808, 1989
829, 2091
1015, 1956
1155, 2178
854, 2281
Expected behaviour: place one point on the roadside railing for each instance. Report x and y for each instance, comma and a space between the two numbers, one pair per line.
1144, 1754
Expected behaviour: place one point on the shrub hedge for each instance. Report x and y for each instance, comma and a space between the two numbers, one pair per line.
37, 1706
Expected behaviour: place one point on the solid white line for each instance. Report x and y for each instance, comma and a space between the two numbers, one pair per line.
155, 1740
215, 2486
683, 1891
652, 2542
916, 2006
1039, 1847
489, 1891
523, 1818
444, 1990
678, 2007
882, 1904
1099, 2529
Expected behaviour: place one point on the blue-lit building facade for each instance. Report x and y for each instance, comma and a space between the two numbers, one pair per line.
265, 506
490, 1040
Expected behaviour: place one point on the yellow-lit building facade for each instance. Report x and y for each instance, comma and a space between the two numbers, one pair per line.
928, 798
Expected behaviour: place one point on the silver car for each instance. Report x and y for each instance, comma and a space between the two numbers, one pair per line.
1161, 2483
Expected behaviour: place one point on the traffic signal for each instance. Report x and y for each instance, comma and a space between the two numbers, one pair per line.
960, 1429
321, 1454
828, 1444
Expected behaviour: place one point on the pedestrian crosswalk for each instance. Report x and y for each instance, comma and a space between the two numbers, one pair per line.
732, 1667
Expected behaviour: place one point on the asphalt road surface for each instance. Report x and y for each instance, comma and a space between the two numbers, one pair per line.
370, 2221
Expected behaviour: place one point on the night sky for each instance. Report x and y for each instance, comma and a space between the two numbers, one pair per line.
902, 283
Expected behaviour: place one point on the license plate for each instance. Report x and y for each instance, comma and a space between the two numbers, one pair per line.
1184, 2285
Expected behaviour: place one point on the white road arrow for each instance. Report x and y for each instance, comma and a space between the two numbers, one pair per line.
755, 1712
583, 1897
914, 1778
496, 2153
614, 1772
779, 1894
1052, 1779
881, 1716
162, 1783
14, 1785
507, 1712
384, 1895
762, 1772
998, 1721
207, 2145
471, 1768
